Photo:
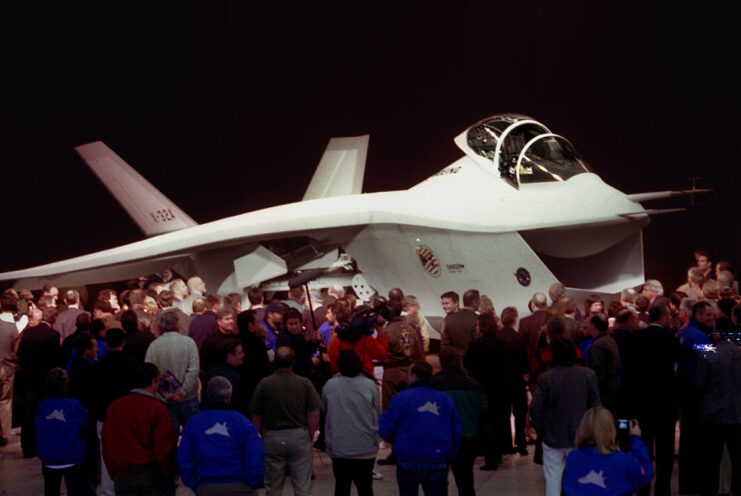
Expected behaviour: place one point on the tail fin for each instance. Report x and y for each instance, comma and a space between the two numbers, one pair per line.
341, 169
152, 211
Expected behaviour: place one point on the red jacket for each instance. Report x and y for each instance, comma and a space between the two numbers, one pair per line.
368, 348
138, 434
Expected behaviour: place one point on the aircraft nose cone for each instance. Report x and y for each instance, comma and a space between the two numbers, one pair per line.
598, 198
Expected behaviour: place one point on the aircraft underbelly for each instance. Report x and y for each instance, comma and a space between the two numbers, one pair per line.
428, 262
579, 241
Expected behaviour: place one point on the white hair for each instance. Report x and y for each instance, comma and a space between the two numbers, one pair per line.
219, 389
193, 283
539, 301
654, 285
336, 290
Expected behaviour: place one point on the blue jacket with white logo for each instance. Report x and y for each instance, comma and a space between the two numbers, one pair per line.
590, 473
60, 428
423, 425
693, 340
220, 445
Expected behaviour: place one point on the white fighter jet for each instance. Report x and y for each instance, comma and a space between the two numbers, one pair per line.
519, 211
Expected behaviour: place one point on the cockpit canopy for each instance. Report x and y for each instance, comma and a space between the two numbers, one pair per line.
521, 150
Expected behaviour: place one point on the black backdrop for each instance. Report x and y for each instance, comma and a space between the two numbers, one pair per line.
226, 107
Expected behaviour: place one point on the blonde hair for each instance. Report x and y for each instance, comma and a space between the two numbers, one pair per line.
486, 305
151, 305
597, 428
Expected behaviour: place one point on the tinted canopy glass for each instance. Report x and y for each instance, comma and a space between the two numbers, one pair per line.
549, 158
522, 150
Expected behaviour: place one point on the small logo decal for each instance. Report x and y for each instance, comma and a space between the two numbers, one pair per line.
56, 415
429, 260
523, 276
218, 428
455, 267
596, 478
429, 407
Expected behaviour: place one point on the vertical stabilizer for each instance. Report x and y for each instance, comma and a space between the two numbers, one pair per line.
341, 169
152, 211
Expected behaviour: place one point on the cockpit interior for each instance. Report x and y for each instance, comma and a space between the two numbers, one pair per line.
522, 150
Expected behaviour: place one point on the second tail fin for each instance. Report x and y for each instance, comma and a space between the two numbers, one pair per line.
340, 171
152, 211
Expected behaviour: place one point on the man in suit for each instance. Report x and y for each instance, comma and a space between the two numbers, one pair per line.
65, 323
8, 335
515, 365
38, 353
484, 362
530, 325
718, 380
649, 391
460, 324
165, 303
604, 359
204, 324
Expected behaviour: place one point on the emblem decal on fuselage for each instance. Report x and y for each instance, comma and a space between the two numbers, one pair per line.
428, 260
523, 276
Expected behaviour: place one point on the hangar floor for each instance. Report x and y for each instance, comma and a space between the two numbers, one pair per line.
518, 475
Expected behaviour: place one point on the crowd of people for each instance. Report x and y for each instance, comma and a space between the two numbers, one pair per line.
166, 381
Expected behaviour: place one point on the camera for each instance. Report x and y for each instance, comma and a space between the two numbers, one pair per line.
360, 324
623, 434
364, 320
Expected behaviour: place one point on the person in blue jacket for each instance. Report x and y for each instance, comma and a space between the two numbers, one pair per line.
424, 426
596, 467
220, 451
60, 435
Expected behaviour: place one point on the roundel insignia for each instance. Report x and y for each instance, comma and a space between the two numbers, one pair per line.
428, 260
523, 276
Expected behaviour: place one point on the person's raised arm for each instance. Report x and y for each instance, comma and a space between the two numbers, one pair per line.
640, 470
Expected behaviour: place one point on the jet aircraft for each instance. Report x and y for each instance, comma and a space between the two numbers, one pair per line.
519, 211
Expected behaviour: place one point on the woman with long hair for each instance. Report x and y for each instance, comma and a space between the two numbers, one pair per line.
597, 466
593, 304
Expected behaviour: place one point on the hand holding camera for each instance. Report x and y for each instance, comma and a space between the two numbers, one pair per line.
635, 429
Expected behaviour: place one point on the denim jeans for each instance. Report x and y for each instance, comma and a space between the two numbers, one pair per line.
434, 481
182, 412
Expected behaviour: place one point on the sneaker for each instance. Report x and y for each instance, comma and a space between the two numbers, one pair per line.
377, 475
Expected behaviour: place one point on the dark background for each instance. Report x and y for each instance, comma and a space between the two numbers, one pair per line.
226, 107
